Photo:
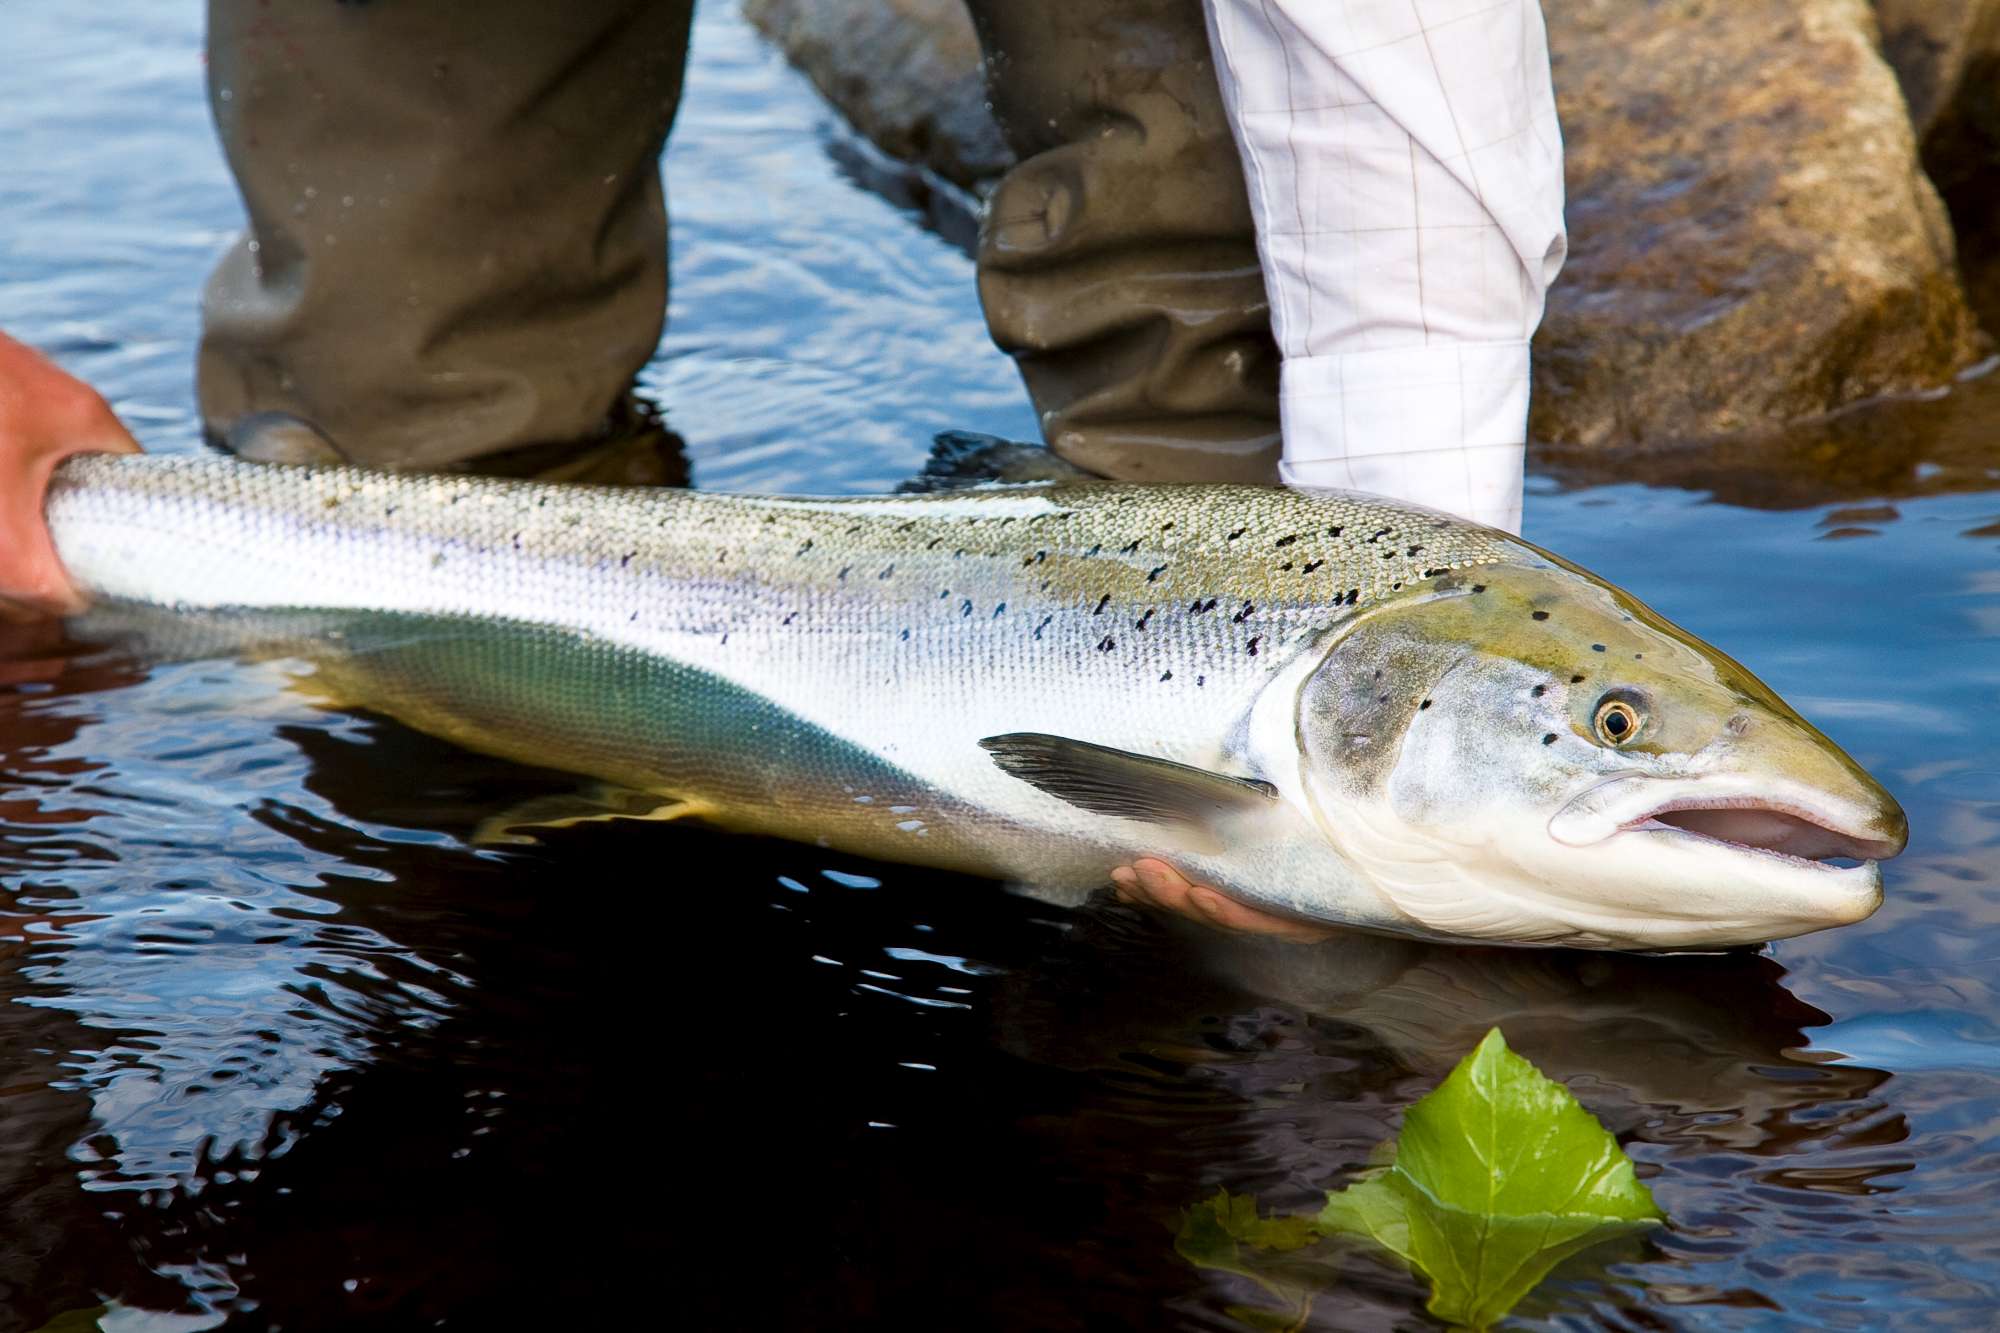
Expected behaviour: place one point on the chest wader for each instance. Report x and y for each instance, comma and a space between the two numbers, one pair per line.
456, 255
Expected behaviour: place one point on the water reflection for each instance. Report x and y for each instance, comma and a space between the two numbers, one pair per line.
1942, 444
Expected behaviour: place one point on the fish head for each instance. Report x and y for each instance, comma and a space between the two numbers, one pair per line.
1528, 754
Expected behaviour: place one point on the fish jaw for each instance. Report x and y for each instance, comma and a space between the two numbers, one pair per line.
1804, 856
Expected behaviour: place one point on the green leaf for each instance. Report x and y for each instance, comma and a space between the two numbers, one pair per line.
1499, 1176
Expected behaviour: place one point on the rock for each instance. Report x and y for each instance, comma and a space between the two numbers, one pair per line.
905, 72
1947, 55
1942, 51
1752, 240
1751, 237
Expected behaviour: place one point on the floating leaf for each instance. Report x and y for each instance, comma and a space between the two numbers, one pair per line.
1499, 1176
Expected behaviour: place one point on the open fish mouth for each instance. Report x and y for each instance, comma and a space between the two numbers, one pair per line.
1787, 830
1784, 821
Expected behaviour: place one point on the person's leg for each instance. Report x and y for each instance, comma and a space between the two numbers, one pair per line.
457, 245
1118, 260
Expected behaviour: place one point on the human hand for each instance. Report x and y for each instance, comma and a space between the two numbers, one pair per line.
46, 415
1152, 883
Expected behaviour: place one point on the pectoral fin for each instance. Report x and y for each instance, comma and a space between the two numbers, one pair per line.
1126, 785
583, 807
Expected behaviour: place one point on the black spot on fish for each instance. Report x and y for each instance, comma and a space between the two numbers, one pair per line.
1434, 573
1596, 647
1311, 565
1414, 550
1234, 535
633, 616
1000, 610
886, 571
1200, 681
725, 636
808, 545
1286, 566
966, 609
1044, 625
392, 509
1576, 680
1129, 547
1381, 698
1102, 602
1422, 706
1549, 739
1167, 526
944, 594
1153, 574
1140, 623
1166, 675
1255, 639
1093, 550
1389, 554
1286, 541
790, 616
1107, 645
1005, 521
1638, 657
1538, 691
1539, 615
843, 572
930, 545
1479, 587
1244, 614
906, 636
1333, 531
626, 559
1380, 533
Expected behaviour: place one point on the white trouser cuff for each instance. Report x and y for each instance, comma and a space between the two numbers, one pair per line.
1443, 426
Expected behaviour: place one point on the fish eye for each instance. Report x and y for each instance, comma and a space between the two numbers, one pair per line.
1618, 720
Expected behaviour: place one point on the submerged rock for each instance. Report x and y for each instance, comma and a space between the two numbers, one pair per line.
905, 72
1752, 238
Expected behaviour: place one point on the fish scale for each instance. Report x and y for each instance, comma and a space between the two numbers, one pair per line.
903, 628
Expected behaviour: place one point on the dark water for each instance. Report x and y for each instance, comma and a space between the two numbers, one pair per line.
279, 1049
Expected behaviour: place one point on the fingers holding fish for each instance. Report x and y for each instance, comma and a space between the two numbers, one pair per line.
1150, 882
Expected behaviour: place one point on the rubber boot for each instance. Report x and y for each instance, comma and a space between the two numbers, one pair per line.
457, 248
1118, 260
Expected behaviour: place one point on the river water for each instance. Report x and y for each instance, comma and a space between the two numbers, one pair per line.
279, 1048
